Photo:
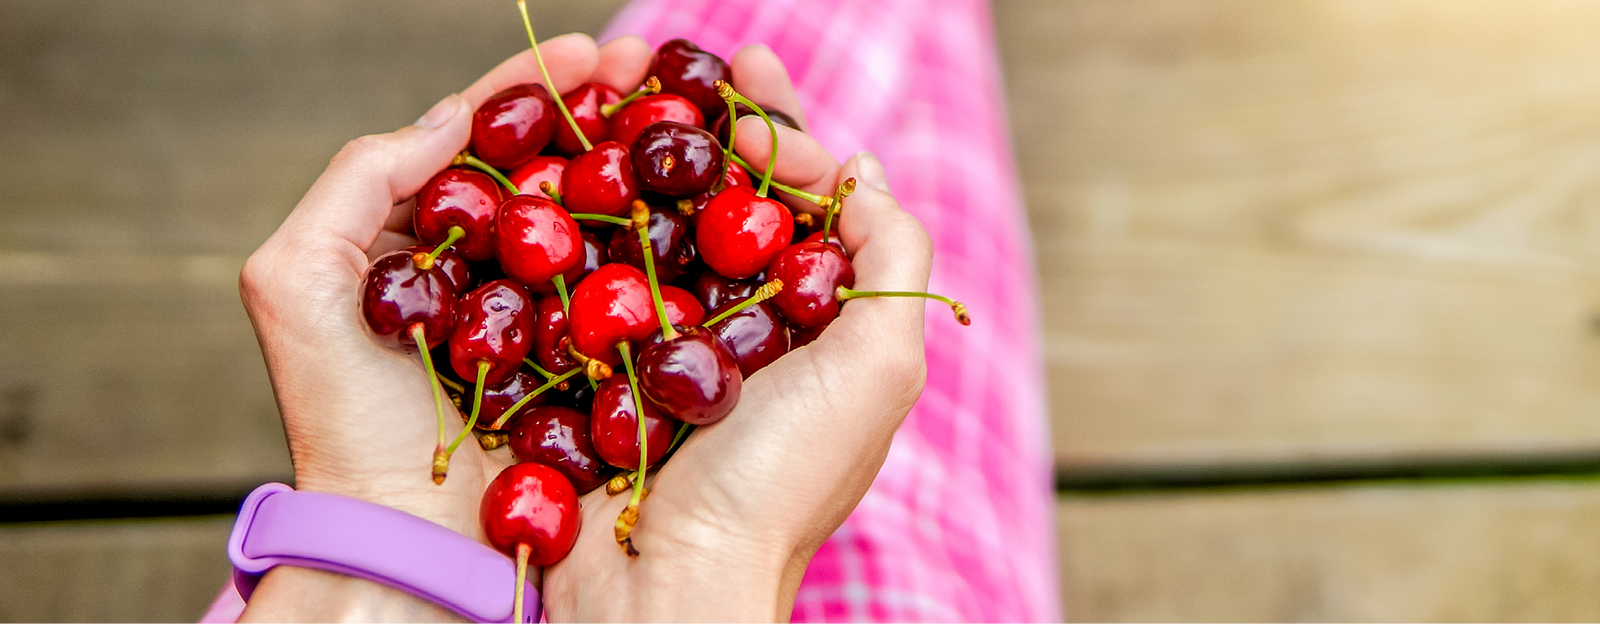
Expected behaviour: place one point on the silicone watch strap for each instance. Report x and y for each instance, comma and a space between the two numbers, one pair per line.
279, 526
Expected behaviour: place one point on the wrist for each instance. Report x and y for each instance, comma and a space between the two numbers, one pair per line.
294, 594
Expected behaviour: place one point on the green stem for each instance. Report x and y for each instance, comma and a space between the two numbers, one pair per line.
450, 384
419, 335
469, 159
683, 430
638, 410
501, 422
772, 159
960, 309
652, 86
810, 197
561, 291
845, 189
549, 190
477, 402
667, 332
589, 216
522, 6
539, 369
426, 262
765, 292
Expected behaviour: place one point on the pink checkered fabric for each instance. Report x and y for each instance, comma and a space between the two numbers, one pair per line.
957, 525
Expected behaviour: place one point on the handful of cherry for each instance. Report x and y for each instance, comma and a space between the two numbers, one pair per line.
592, 231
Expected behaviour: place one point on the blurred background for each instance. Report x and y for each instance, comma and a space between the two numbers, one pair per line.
1322, 339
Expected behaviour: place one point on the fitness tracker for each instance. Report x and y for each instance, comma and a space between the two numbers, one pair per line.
279, 526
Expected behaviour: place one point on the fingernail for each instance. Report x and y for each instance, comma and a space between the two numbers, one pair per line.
870, 172
440, 113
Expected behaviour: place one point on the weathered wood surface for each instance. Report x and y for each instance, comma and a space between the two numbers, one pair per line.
130, 571
1272, 231
1470, 552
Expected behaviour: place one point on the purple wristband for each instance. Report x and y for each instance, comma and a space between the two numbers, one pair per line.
279, 526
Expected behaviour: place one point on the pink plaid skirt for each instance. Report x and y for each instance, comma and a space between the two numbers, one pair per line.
958, 524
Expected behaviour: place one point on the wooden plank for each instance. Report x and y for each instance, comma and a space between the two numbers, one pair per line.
1521, 551
1274, 231
127, 571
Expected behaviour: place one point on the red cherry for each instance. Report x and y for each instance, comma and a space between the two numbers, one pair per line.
513, 125
584, 104
600, 181
536, 240
754, 336
735, 176
689, 71
630, 120
810, 273
612, 305
498, 399
713, 290
682, 307
541, 169
395, 294
494, 324
616, 426
532, 505
461, 197
561, 438
691, 377
594, 255
549, 330
739, 233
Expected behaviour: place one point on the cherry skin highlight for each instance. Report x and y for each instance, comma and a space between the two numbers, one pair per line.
685, 69
632, 119
754, 336
594, 255
739, 233
460, 197
691, 377
561, 438
584, 104
676, 160
395, 294
600, 181
536, 240
682, 307
550, 328
610, 306
512, 126
494, 324
541, 169
616, 426
531, 504
811, 272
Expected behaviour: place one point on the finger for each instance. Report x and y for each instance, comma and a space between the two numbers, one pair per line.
802, 162
623, 63
892, 252
401, 218
356, 196
760, 75
571, 59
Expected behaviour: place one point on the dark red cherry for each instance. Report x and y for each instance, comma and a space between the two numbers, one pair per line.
498, 399
395, 294
594, 255
682, 307
462, 197
676, 160
513, 125
540, 169
713, 290
754, 336
719, 128
451, 264
531, 504
802, 336
561, 438
549, 331
494, 324
739, 233
689, 71
578, 395
616, 426
630, 120
810, 272
584, 104
669, 237
600, 181
735, 176
536, 240
691, 377
612, 305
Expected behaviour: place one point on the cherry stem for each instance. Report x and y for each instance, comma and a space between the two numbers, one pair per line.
539, 369
960, 309
733, 132
561, 291
810, 197
765, 292
450, 384
592, 368
641, 221
554, 381
522, 5
477, 402
523, 552
845, 189
427, 260
652, 86
683, 430
549, 189
726, 91
638, 409
419, 335
589, 216
468, 159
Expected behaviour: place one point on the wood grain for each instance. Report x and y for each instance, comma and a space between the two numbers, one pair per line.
1517, 551
1269, 231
